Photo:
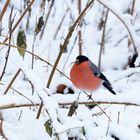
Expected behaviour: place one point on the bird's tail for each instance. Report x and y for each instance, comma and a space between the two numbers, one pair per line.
109, 87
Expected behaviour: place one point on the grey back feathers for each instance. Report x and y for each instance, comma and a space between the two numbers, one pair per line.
94, 68
97, 73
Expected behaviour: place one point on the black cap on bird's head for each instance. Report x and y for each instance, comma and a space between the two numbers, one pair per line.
80, 59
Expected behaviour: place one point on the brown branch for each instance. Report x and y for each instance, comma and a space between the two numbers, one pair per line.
79, 32
11, 20
13, 105
132, 8
21, 17
132, 59
103, 39
80, 42
9, 106
102, 102
4, 9
39, 110
123, 22
1, 131
17, 73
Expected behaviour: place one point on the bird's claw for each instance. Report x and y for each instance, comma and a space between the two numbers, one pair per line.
89, 96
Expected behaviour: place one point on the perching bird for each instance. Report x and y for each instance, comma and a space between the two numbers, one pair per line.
86, 76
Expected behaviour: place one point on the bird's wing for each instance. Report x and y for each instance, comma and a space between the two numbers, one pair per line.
100, 75
97, 73
94, 69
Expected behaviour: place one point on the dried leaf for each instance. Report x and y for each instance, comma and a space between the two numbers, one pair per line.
21, 42
39, 25
73, 108
48, 127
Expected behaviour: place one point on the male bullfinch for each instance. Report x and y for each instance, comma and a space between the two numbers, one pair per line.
86, 76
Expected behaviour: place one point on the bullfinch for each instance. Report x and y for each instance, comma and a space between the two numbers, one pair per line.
86, 76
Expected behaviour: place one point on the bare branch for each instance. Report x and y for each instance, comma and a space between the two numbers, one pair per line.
4, 9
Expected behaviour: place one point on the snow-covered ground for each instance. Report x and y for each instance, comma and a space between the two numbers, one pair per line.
116, 117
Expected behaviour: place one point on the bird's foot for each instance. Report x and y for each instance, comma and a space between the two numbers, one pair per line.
90, 96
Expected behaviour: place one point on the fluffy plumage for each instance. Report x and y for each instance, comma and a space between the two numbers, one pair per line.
85, 75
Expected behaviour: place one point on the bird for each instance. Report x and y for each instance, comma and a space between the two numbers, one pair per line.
85, 75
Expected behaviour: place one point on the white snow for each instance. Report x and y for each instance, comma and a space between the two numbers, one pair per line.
20, 123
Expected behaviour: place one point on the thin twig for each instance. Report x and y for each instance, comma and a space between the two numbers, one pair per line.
108, 125
118, 120
13, 105
8, 106
47, 17
60, 24
101, 102
132, 8
103, 39
90, 97
11, 20
15, 76
79, 32
1, 131
20, 115
69, 53
39, 110
4, 9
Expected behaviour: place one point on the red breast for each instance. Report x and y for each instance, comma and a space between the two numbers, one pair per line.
83, 78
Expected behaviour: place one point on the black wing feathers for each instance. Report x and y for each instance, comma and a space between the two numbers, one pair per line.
97, 73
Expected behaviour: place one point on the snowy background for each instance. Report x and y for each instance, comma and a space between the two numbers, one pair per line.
108, 33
